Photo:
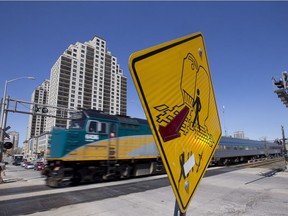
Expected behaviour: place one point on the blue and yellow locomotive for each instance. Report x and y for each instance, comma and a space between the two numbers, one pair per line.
98, 146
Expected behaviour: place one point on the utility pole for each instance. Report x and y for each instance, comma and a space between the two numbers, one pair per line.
284, 144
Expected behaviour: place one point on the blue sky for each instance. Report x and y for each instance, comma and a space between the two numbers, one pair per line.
246, 44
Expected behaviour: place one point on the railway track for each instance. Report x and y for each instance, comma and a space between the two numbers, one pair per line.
271, 163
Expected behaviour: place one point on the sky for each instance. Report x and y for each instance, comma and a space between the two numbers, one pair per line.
246, 43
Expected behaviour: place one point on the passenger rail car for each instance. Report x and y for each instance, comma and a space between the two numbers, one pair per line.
235, 150
98, 146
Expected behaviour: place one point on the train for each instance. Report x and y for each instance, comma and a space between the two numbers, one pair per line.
239, 150
98, 147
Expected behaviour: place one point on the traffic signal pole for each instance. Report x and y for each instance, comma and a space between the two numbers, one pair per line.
3, 126
3, 120
37, 109
284, 145
2, 133
11, 105
282, 93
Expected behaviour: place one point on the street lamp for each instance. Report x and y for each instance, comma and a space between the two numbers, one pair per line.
3, 114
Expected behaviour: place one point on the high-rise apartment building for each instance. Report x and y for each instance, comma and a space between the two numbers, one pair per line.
87, 76
37, 123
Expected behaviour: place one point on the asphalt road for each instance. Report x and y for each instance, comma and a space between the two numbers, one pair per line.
48, 200
223, 191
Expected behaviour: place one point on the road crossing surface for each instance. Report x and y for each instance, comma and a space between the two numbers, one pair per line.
223, 191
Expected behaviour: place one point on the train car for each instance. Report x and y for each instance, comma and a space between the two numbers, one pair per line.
235, 150
98, 146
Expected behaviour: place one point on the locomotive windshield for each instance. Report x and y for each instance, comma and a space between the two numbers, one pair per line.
97, 127
77, 124
77, 120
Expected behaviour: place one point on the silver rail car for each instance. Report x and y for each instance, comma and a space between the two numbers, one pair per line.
235, 150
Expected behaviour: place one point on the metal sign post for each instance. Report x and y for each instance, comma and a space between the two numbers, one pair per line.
177, 211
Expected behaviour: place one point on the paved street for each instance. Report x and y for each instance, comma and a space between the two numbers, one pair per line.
239, 192
223, 191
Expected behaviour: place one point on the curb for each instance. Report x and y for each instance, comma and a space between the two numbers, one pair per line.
9, 180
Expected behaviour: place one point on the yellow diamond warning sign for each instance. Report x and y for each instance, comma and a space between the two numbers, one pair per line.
175, 87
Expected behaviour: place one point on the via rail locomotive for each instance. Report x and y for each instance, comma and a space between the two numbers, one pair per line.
98, 146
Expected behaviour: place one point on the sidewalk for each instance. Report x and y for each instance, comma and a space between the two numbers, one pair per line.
9, 174
17, 173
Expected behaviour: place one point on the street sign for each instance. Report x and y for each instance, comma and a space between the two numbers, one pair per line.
6, 135
175, 87
7, 128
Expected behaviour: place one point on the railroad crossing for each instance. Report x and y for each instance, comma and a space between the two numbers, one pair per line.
223, 191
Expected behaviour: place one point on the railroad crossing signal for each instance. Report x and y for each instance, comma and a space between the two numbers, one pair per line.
42, 109
175, 87
7, 144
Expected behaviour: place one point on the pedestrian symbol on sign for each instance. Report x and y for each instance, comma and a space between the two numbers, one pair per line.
187, 116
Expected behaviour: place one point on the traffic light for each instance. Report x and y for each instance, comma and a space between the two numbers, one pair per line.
40, 109
285, 79
278, 141
8, 145
279, 84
